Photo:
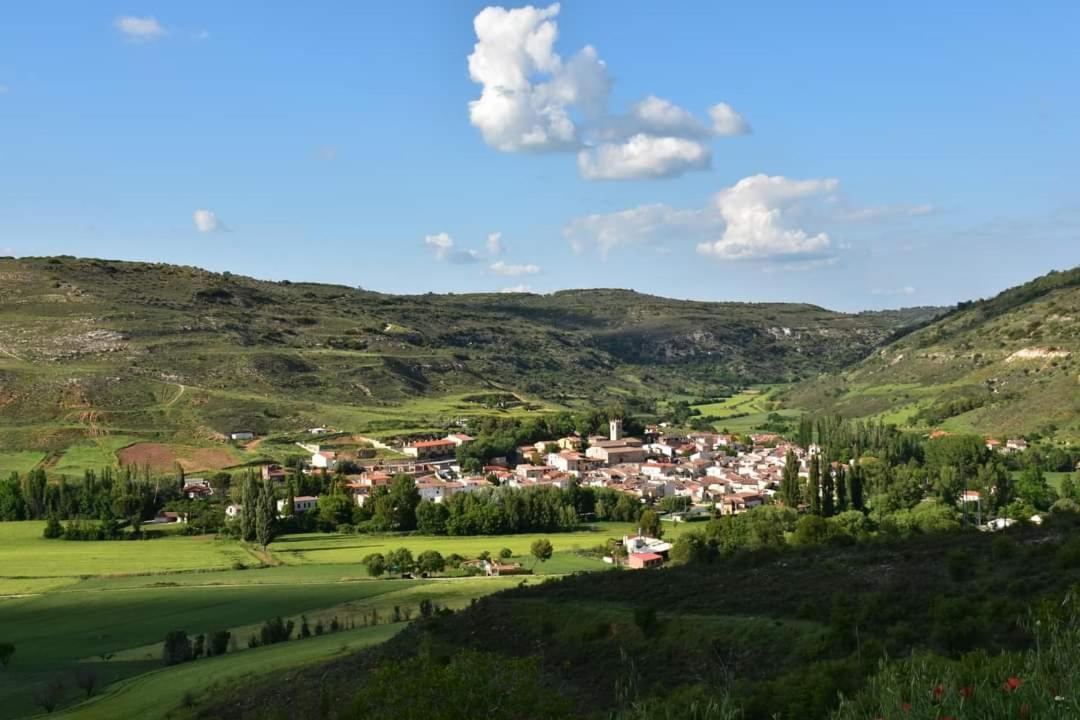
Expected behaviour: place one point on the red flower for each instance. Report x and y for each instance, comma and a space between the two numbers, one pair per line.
939, 691
1012, 684
906, 707
967, 691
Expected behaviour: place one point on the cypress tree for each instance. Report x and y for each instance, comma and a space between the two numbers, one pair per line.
249, 498
855, 487
789, 480
841, 489
813, 486
264, 514
828, 503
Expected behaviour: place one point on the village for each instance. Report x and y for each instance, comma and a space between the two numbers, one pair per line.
686, 476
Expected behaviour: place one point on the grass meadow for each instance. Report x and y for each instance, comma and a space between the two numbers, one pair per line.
106, 606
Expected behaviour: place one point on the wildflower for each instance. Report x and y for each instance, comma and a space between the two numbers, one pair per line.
966, 692
939, 691
1012, 684
906, 707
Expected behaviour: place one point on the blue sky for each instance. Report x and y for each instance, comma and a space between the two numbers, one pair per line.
853, 155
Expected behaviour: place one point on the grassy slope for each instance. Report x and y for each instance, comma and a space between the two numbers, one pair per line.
782, 628
97, 354
971, 355
157, 693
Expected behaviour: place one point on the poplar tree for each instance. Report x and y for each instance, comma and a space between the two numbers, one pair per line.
841, 489
789, 480
249, 498
264, 514
828, 502
813, 486
855, 487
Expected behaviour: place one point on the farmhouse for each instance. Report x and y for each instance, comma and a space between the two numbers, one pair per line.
640, 561
323, 460
301, 504
430, 448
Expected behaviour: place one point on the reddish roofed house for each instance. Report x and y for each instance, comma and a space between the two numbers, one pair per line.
430, 448
640, 561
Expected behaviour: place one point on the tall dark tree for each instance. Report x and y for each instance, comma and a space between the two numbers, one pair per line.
249, 499
841, 488
828, 490
265, 510
813, 485
855, 487
789, 480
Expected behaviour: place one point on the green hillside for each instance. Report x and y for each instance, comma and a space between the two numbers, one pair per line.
99, 354
1004, 366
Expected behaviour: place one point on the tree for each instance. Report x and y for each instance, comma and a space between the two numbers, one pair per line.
48, 695
855, 487
948, 484
7, 651
264, 514
841, 489
813, 485
541, 549
219, 642
1069, 489
375, 564
431, 561
828, 490
53, 528
86, 679
431, 518
995, 483
1031, 485
400, 561
249, 495
649, 522
12, 501
789, 480
177, 647
506, 553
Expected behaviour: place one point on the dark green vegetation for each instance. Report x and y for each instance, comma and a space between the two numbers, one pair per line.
776, 632
100, 354
1002, 367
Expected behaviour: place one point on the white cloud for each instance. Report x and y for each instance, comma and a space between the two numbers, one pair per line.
643, 156
494, 243
761, 218
206, 221
327, 153
755, 212
725, 121
443, 246
502, 268
531, 100
523, 288
906, 290
887, 212
515, 113
641, 226
139, 29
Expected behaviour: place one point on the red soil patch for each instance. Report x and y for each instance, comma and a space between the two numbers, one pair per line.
162, 458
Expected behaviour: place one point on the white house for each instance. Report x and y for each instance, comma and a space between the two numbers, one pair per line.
323, 460
232, 511
301, 504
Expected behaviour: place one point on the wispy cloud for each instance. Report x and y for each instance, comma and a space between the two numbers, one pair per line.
443, 247
517, 289
502, 268
494, 243
139, 29
891, 292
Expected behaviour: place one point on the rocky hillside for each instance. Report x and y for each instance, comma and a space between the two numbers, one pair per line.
1003, 366
116, 339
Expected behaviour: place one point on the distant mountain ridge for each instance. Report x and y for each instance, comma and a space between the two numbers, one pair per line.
1007, 365
118, 339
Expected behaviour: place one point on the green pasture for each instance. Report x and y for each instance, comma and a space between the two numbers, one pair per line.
19, 461
24, 553
155, 694
313, 548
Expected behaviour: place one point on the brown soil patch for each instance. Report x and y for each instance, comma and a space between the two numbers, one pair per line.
163, 458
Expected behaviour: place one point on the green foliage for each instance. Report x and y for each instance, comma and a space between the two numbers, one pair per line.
541, 549
432, 561
461, 689
177, 648
7, 651
375, 563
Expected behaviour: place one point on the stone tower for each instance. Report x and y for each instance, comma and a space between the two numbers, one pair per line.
615, 427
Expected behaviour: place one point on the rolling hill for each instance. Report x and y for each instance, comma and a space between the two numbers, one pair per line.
99, 348
1003, 366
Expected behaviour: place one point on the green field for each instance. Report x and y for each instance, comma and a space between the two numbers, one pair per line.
303, 549
107, 606
25, 554
153, 694
19, 461
745, 411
